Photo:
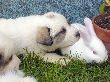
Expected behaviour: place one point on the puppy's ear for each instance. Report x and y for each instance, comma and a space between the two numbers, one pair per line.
50, 14
43, 36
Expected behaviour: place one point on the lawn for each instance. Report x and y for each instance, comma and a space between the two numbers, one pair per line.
75, 71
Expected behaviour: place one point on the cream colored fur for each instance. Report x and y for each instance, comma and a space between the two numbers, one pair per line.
32, 32
8, 58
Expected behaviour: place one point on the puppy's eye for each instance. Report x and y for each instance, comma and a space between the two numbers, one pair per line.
63, 30
10, 58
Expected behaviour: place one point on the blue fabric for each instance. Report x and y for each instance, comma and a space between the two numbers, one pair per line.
73, 10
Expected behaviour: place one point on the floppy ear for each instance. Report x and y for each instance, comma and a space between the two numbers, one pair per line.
43, 36
83, 32
89, 27
50, 14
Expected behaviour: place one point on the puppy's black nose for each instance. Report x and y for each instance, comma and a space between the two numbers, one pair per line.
77, 34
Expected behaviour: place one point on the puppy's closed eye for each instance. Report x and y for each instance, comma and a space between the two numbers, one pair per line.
63, 31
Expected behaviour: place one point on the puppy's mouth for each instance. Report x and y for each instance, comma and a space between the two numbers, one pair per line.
57, 51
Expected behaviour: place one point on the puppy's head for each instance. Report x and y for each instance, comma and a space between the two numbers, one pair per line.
8, 59
55, 32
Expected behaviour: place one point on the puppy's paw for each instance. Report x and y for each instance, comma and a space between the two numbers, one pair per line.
29, 79
20, 73
64, 61
54, 58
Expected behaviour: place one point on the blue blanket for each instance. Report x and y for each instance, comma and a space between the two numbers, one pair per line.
73, 10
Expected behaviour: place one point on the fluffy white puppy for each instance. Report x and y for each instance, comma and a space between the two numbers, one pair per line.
8, 58
40, 33
12, 76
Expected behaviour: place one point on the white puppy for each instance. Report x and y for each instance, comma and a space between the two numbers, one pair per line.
40, 33
8, 58
12, 76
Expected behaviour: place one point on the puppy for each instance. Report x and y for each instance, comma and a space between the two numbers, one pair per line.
12, 76
41, 34
8, 59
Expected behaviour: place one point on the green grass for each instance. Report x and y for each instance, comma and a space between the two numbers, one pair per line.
75, 71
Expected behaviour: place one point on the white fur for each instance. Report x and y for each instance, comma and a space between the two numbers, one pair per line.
7, 49
12, 76
89, 42
23, 31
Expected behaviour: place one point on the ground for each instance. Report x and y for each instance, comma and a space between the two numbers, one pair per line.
75, 71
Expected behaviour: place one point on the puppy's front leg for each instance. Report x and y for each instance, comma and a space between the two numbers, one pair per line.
53, 58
